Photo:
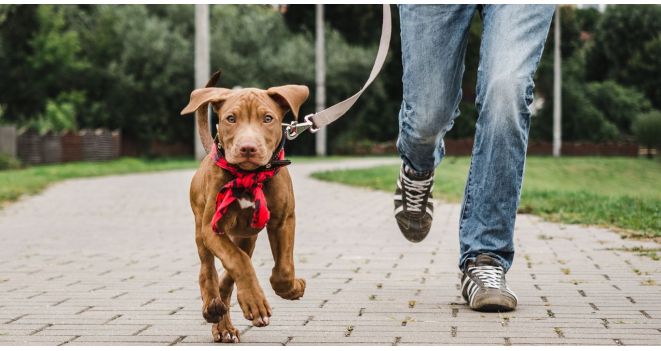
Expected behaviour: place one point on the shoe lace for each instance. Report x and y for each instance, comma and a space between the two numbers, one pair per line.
490, 276
416, 191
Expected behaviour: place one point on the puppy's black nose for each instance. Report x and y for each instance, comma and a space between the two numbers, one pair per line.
248, 149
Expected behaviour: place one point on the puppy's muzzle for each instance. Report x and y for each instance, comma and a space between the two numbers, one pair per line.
248, 150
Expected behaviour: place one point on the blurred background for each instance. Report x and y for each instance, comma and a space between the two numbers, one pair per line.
103, 81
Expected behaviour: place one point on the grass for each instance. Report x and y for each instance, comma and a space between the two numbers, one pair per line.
616, 192
32, 180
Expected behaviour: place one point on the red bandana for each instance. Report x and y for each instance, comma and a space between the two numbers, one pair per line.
244, 182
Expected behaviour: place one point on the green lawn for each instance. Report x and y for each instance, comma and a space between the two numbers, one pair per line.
616, 192
31, 180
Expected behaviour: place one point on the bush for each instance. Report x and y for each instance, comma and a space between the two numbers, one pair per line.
626, 48
647, 128
619, 104
8, 162
581, 120
591, 111
59, 116
644, 70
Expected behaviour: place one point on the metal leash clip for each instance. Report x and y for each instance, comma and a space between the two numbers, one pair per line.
294, 129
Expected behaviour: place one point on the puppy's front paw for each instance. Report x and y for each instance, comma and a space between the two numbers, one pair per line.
295, 291
254, 306
214, 310
225, 333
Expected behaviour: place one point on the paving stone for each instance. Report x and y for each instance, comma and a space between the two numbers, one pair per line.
112, 261
133, 338
116, 343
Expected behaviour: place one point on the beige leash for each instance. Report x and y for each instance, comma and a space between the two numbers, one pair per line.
318, 120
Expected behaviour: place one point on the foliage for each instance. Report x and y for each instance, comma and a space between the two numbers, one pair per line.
60, 114
55, 48
8, 162
644, 68
290, 60
109, 53
587, 19
596, 111
131, 67
581, 119
570, 31
374, 117
592, 109
584, 121
41, 58
618, 104
627, 195
627, 48
647, 128
142, 72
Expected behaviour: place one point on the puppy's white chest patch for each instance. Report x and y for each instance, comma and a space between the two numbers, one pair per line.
245, 203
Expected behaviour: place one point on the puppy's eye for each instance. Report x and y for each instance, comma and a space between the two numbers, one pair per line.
231, 119
268, 119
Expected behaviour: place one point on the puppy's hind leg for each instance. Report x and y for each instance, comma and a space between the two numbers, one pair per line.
224, 331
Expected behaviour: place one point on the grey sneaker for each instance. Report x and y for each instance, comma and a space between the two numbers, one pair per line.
413, 210
484, 287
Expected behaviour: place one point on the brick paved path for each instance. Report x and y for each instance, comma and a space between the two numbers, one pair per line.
112, 261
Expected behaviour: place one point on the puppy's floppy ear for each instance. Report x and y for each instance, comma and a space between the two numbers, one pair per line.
203, 96
290, 97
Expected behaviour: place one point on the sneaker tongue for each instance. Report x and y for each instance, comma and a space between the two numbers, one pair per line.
486, 260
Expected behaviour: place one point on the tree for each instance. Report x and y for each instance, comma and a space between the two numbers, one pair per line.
644, 70
254, 47
357, 24
131, 67
581, 120
619, 104
587, 19
375, 115
626, 42
647, 129
141, 73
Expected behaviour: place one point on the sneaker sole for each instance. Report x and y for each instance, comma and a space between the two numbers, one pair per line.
412, 236
494, 303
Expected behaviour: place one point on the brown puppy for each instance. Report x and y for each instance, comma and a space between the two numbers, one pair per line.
249, 132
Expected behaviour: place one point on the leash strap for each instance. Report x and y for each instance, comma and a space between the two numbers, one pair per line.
325, 117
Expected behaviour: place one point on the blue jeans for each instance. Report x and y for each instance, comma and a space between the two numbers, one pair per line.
434, 41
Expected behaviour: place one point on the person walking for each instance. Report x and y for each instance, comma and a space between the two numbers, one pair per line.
434, 39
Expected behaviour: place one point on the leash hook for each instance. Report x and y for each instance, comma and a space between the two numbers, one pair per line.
294, 129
